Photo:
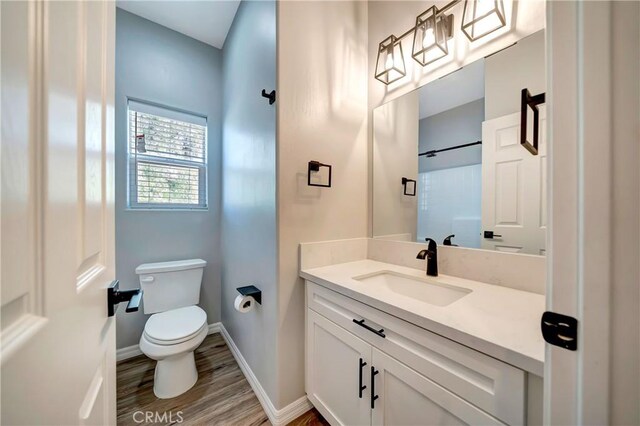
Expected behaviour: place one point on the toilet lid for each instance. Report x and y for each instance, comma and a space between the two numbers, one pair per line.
175, 325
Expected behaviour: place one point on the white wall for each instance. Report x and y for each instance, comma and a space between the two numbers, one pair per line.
511, 70
147, 68
395, 155
249, 232
322, 115
625, 321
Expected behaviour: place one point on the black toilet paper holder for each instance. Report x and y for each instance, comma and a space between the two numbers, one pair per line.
253, 291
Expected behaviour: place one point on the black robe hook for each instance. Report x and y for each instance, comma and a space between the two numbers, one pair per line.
271, 96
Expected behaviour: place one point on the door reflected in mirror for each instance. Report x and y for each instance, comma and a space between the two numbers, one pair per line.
459, 138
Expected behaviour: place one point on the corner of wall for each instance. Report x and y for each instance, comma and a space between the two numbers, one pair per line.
322, 115
249, 237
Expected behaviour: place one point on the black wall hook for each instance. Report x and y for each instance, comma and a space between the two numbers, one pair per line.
271, 96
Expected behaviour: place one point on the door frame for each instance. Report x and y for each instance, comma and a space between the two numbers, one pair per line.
579, 70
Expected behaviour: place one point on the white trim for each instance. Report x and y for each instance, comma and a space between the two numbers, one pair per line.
277, 417
166, 112
214, 328
134, 350
577, 384
128, 352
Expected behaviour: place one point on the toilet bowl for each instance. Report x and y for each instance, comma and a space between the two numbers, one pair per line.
177, 326
171, 338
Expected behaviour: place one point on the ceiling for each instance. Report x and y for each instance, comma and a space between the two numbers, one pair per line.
458, 88
207, 21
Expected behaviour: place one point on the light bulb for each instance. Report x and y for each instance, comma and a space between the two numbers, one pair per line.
429, 38
389, 61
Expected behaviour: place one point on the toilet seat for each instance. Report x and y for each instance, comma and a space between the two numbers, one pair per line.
175, 326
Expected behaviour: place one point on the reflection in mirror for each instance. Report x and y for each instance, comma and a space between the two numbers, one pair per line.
459, 138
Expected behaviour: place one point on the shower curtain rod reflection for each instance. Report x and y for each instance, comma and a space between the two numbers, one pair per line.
433, 152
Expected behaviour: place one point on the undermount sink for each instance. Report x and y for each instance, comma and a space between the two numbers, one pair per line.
422, 289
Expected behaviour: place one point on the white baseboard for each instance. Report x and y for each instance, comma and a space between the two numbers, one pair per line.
134, 350
277, 417
214, 328
128, 352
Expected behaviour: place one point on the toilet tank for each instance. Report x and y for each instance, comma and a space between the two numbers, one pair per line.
170, 285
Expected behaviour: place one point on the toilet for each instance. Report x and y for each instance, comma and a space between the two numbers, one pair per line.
177, 326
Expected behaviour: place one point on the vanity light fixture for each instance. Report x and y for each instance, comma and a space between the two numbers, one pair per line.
430, 36
390, 63
482, 17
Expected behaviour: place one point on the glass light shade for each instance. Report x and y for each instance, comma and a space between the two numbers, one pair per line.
482, 17
390, 63
430, 37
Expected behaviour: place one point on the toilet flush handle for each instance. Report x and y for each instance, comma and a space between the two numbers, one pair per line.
147, 279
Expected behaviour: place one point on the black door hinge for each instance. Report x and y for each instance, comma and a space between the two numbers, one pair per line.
560, 330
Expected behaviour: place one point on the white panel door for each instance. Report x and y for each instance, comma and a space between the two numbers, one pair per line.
338, 364
514, 182
58, 344
406, 397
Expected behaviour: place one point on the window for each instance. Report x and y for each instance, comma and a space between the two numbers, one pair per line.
167, 158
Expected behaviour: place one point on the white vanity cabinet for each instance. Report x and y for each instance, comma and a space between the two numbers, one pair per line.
408, 398
387, 371
337, 361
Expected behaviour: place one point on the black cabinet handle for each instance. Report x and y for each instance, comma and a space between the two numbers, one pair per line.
360, 386
374, 372
371, 329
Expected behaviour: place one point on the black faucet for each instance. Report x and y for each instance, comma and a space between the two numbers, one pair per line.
431, 254
447, 241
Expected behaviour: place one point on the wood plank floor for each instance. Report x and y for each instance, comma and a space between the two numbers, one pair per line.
310, 418
222, 395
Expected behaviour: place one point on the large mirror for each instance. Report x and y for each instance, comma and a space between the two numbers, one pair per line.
448, 162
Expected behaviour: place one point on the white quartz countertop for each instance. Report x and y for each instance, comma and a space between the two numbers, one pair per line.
498, 321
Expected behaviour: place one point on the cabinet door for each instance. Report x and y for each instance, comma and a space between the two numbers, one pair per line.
335, 372
405, 397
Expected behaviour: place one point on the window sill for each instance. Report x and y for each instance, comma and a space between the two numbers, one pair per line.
169, 209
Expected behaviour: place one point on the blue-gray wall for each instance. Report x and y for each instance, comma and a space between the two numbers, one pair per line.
156, 64
249, 233
457, 126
